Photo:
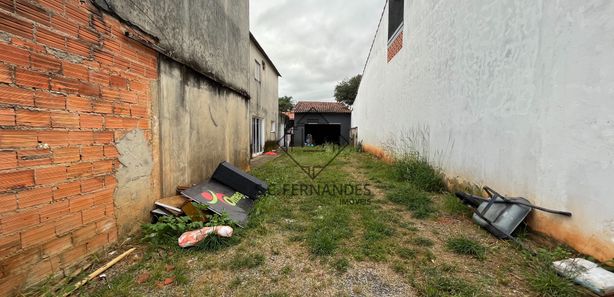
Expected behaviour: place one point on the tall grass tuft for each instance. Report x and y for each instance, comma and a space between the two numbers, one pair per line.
466, 246
416, 169
542, 277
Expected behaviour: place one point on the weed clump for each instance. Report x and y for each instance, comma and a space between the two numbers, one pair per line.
168, 228
542, 277
416, 201
454, 206
417, 170
440, 285
406, 253
341, 265
466, 246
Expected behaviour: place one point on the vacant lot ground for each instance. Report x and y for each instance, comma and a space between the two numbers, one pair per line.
392, 238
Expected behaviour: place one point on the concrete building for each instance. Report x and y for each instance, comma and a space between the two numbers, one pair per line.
321, 122
263, 105
106, 106
517, 95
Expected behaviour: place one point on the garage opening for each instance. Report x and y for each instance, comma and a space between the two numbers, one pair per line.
323, 133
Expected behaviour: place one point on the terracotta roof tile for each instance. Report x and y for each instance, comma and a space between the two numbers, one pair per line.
334, 107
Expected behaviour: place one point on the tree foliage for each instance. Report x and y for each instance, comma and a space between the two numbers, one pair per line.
346, 90
285, 103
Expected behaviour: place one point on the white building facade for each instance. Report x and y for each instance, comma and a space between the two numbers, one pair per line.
264, 99
517, 95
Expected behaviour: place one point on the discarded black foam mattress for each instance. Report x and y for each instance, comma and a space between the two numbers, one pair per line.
229, 190
240, 181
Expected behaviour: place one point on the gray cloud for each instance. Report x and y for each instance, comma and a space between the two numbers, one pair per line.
315, 43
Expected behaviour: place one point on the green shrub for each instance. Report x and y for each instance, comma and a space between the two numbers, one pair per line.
168, 228
418, 171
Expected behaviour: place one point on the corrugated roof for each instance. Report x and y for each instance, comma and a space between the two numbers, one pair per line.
333, 107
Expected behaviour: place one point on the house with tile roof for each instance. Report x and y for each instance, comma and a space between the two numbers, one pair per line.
317, 123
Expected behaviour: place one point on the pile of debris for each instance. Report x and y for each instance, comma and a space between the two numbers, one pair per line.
501, 216
230, 191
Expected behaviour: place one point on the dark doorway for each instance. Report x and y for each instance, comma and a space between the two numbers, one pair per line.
323, 133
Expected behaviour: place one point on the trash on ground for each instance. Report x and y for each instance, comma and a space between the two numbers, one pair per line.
194, 213
230, 190
500, 215
99, 271
172, 204
587, 274
157, 213
167, 281
192, 238
143, 277
271, 153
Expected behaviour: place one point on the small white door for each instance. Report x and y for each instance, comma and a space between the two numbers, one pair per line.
257, 142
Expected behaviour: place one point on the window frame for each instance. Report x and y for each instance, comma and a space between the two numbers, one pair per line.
399, 28
257, 71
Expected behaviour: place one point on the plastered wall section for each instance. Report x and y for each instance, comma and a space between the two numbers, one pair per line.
200, 124
264, 94
517, 95
210, 36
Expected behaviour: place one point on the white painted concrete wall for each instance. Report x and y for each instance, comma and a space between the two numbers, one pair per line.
518, 95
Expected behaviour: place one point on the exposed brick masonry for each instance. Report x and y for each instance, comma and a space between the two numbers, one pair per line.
395, 46
71, 84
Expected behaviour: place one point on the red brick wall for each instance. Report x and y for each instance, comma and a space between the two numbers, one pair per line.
395, 46
71, 84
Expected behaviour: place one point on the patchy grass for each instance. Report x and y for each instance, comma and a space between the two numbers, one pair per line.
301, 242
544, 279
329, 229
246, 261
406, 253
442, 284
466, 246
422, 241
341, 265
416, 201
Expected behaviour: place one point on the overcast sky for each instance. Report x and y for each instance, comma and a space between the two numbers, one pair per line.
315, 43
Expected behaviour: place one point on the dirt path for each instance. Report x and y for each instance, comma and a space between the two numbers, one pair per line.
373, 278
